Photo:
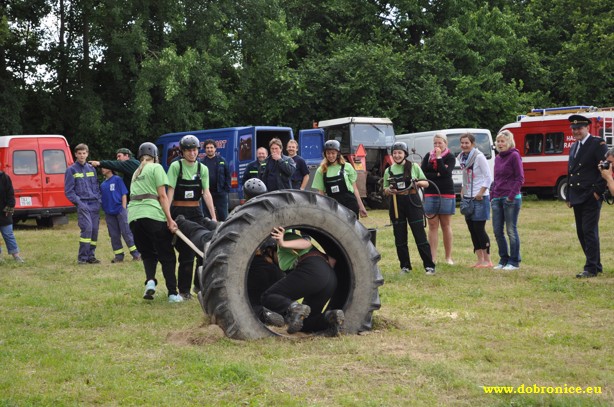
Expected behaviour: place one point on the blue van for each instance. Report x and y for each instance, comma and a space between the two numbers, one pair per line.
237, 145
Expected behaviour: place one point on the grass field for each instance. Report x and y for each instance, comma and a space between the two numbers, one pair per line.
82, 335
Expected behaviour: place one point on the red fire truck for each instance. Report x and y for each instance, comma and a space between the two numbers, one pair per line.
543, 137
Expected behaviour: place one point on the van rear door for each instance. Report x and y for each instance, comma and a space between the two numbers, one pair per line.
55, 158
25, 173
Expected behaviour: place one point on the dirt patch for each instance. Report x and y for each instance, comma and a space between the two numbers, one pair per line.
202, 335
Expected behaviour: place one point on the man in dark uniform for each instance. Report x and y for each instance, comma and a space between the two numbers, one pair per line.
126, 164
585, 191
219, 181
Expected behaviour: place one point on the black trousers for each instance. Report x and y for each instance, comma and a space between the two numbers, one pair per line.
153, 240
587, 227
479, 237
410, 212
185, 273
260, 277
313, 280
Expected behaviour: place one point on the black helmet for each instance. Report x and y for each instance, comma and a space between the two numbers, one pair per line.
147, 148
332, 145
253, 187
189, 142
399, 145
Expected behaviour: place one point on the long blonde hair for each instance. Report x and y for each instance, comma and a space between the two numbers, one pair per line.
145, 159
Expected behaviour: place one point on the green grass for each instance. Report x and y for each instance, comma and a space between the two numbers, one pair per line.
82, 335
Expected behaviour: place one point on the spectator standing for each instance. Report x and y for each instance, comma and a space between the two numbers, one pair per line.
151, 223
278, 168
476, 182
7, 207
506, 200
82, 189
300, 177
440, 204
253, 169
125, 164
585, 193
188, 183
219, 182
114, 203
608, 173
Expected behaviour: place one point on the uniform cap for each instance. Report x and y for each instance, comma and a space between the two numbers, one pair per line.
577, 121
124, 151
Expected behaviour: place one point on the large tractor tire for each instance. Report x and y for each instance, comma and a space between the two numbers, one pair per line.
224, 272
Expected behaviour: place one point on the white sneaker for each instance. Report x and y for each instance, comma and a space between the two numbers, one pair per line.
175, 298
498, 267
430, 271
150, 290
405, 270
509, 267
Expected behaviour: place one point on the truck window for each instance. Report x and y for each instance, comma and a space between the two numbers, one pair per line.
533, 144
554, 143
341, 134
372, 135
24, 162
54, 161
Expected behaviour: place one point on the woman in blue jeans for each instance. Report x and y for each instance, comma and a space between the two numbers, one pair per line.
506, 200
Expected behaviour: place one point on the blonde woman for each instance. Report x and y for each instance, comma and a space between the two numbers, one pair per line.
437, 166
151, 222
506, 200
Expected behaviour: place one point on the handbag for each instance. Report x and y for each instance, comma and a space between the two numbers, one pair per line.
467, 206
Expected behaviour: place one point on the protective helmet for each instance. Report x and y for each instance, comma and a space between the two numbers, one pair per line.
189, 142
332, 145
253, 187
147, 149
399, 145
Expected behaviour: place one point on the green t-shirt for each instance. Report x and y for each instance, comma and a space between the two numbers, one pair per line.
333, 171
189, 173
287, 257
147, 182
416, 172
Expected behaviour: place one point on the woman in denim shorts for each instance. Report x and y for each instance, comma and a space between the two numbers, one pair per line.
439, 206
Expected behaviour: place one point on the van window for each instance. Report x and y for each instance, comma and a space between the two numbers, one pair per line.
24, 162
482, 142
54, 161
554, 143
533, 144
245, 147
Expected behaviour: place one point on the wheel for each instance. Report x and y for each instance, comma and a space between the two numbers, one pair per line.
331, 225
561, 189
44, 223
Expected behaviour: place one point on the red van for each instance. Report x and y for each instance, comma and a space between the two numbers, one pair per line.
36, 165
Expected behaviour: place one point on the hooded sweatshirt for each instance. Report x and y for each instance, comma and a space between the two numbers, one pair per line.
509, 175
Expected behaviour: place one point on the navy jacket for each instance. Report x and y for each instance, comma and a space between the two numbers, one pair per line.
223, 174
583, 176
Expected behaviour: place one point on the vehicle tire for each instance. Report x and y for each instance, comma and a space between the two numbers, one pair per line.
335, 228
44, 223
561, 188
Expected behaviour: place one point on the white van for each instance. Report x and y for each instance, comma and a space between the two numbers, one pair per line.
421, 143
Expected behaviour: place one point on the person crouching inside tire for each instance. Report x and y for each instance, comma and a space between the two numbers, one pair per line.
337, 179
311, 277
406, 207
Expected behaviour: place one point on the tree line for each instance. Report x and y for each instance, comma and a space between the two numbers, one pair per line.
114, 73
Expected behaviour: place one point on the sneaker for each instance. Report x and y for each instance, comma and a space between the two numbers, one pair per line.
150, 290
498, 266
269, 317
18, 258
186, 296
405, 270
295, 315
82, 262
175, 298
430, 271
117, 260
335, 319
93, 260
509, 267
